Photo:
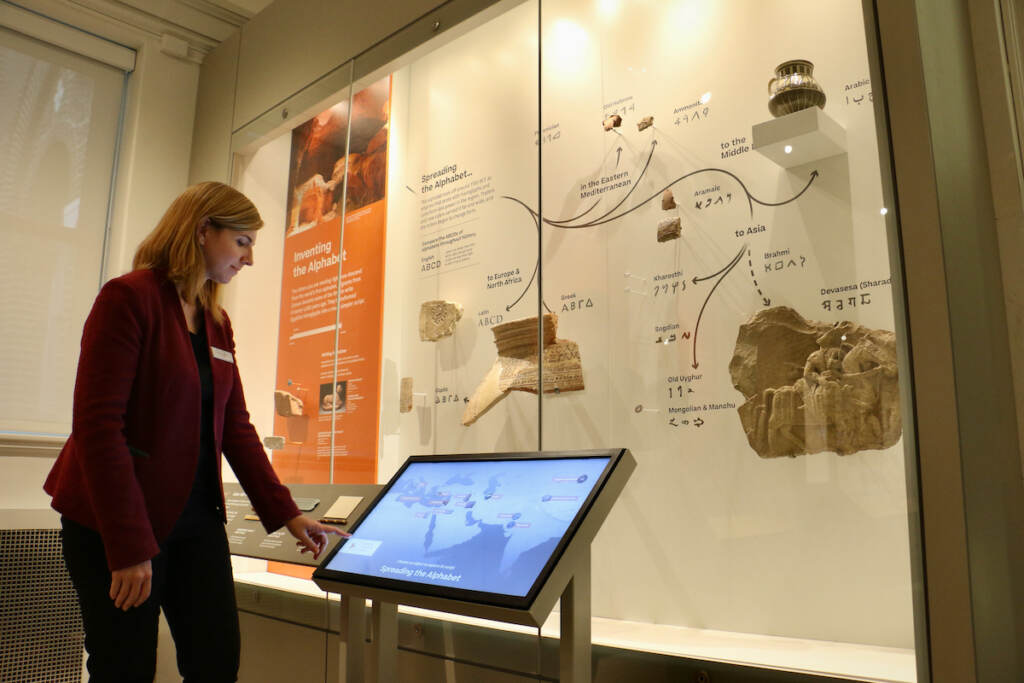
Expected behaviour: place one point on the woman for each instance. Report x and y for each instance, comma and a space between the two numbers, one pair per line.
157, 400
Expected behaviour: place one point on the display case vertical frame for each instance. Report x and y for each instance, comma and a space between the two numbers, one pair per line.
341, 271
540, 226
971, 490
902, 328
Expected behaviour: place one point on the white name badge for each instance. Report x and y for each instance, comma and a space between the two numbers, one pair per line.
221, 354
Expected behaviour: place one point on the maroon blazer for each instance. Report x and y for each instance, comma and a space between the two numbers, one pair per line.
127, 468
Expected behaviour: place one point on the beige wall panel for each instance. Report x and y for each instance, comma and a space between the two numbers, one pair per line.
993, 57
155, 149
950, 636
980, 336
293, 42
215, 102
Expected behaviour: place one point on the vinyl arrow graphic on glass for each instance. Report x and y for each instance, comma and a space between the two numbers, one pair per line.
607, 217
751, 199
562, 224
721, 276
750, 265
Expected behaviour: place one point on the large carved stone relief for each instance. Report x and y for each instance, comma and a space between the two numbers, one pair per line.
815, 386
516, 366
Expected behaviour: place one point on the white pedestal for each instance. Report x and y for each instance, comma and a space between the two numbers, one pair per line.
808, 135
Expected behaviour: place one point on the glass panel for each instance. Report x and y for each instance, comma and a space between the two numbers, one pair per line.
59, 115
433, 259
714, 242
715, 288
297, 178
462, 242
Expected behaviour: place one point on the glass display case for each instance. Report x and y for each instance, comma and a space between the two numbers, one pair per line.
578, 224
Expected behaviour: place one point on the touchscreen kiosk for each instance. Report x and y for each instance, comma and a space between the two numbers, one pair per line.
477, 528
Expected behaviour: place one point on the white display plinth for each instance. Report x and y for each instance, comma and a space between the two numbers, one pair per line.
817, 657
808, 135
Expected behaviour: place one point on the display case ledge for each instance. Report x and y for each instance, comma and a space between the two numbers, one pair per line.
848, 661
809, 134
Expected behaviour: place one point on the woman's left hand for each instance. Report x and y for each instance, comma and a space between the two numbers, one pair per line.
311, 535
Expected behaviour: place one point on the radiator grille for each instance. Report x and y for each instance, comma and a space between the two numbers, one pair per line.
40, 625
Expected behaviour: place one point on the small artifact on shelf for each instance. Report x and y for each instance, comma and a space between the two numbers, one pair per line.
669, 229
273, 443
793, 88
341, 509
668, 201
645, 122
405, 395
516, 366
286, 404
814, 386
438, 319
613, 121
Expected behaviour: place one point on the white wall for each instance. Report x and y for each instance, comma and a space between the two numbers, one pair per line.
155, 148
21, 483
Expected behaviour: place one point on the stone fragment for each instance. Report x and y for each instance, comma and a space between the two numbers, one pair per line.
645, 123
438, 319
286, 404
516, 367
813, 386
613, 121
669, 229
668, 201
405, 395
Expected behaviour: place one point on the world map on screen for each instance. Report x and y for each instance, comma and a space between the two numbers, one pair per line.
487, 526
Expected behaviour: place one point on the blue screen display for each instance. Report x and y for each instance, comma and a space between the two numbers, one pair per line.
488, 525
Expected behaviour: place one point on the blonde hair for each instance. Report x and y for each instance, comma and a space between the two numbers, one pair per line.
173, 245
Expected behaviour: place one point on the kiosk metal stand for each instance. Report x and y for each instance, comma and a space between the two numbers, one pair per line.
568, 581
574, 639
380, 664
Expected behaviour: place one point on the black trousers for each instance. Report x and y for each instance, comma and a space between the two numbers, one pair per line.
192, 583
